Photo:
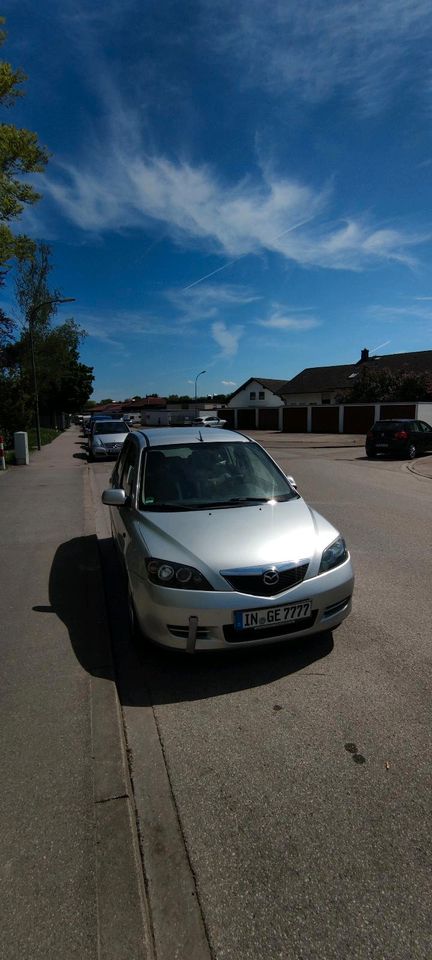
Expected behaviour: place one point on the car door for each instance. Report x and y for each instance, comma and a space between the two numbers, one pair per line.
426, 433
124, 478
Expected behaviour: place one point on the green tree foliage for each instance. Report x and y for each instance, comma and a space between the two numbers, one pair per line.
64, 383
385, 386
20, 155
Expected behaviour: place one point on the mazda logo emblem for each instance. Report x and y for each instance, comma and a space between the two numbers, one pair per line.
271, 578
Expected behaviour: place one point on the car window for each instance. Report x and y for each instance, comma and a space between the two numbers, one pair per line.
118, 469
128, 473
425, 427
110, 426
197, 475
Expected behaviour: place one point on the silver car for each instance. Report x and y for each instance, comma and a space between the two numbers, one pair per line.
219, 548
107, 438
208, 422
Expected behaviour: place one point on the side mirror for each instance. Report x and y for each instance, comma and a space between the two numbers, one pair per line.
114, 498
292, 482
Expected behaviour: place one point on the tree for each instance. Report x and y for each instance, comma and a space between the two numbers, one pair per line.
384, 386
64, 383
20, 154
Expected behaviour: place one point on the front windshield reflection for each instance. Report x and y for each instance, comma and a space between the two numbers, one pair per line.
193, 476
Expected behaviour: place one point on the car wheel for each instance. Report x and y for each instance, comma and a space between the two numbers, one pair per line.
371, 454
411, 451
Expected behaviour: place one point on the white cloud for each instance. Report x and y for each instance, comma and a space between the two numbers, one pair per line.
280, 321
228, 383
227, 339
119, 189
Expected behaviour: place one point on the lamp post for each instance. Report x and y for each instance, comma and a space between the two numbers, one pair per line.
32, 313
196, 381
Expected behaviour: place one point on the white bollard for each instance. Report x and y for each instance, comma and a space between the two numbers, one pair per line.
21, 448
2, 456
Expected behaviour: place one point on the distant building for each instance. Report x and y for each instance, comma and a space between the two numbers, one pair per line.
323, 385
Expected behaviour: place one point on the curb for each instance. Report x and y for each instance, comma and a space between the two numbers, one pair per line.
123, 925
417, 473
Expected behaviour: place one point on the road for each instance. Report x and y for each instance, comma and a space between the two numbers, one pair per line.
283, 794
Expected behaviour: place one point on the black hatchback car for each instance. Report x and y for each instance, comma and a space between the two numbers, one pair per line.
406, 438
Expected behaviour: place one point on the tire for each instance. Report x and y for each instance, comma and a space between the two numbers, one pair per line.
411, 451
371, 454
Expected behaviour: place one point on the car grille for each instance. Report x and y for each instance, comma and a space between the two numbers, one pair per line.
254, 585
241, 636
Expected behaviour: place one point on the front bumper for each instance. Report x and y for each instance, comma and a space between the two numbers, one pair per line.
204, 620
105, 453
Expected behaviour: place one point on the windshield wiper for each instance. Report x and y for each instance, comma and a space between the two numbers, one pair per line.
249, 499
232, 502
161, 507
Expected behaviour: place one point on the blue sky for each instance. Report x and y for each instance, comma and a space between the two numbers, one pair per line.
240, 187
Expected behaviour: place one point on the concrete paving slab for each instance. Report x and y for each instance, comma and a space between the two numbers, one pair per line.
66, 859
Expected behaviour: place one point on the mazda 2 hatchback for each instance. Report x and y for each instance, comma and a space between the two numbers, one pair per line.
406, 438
219, 548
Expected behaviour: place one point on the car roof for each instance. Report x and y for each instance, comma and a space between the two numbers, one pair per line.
396, 420
162, 436
110, 420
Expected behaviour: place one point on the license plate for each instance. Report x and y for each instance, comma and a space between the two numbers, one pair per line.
256, 619
382, 444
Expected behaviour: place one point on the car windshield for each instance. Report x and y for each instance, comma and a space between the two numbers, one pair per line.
391, 425
110, 426
198, 475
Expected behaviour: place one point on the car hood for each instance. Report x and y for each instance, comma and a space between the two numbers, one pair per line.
247, 536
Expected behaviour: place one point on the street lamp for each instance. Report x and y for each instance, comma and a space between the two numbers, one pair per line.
31, 315
196, 381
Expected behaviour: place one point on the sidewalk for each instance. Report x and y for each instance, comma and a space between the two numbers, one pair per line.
71, 887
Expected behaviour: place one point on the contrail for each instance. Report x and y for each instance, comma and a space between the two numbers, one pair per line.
231, 262
385, 344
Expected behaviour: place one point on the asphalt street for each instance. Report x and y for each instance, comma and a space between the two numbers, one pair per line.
283, 795
269, 803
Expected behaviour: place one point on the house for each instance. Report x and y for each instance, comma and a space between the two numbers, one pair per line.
310, 401
324, 385
257, 392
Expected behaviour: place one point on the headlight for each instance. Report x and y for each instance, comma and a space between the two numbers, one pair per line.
333, 555
178, 575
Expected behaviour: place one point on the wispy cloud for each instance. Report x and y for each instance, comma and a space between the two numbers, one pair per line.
324, 47
417, 313
228, 383
114, 327
280, 320
120, 189
205, 302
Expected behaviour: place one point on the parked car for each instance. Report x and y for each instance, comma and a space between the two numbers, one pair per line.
219, 548
208, 422
407, 438
107, 438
